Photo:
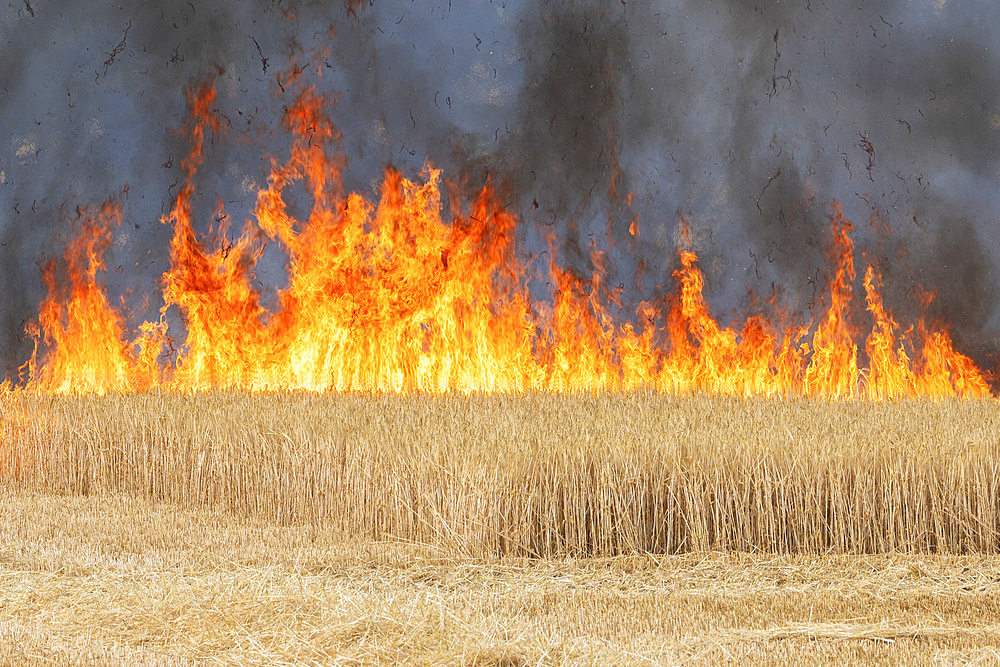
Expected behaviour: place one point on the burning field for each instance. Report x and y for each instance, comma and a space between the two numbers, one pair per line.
579, 301
412, 294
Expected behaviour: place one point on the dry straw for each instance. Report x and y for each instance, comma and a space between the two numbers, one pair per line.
538, 474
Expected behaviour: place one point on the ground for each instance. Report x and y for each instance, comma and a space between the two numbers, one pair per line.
114, 579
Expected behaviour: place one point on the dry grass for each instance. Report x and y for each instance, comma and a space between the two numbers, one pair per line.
538, 475
111, 580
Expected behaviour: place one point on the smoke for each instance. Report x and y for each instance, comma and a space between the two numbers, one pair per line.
745, 118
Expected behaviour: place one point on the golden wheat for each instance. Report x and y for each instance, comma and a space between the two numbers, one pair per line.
538, 474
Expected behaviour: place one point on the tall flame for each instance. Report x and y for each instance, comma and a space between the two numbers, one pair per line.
85, 335
391, 296
833, 368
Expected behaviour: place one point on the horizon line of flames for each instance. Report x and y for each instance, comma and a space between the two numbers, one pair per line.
390, 297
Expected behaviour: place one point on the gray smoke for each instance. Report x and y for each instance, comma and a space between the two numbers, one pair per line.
745, 118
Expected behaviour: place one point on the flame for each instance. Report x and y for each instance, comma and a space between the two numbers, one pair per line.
85, 335
392, 296
833, 368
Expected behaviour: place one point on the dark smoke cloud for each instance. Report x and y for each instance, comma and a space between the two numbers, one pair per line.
746, 118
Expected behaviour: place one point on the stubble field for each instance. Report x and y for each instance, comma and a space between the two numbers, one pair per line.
165, 528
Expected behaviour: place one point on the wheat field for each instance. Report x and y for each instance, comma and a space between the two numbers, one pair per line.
540, 474
163, 528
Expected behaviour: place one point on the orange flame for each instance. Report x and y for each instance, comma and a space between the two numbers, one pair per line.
391, 296
88, 350
833, 368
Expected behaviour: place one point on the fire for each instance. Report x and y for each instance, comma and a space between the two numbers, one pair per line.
84, 334
393, 296
833, 368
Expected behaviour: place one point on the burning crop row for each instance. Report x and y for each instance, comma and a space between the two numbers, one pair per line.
391, 296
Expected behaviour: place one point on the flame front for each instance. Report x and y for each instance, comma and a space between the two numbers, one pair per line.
390, 296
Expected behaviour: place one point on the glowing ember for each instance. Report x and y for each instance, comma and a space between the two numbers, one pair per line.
388, 296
